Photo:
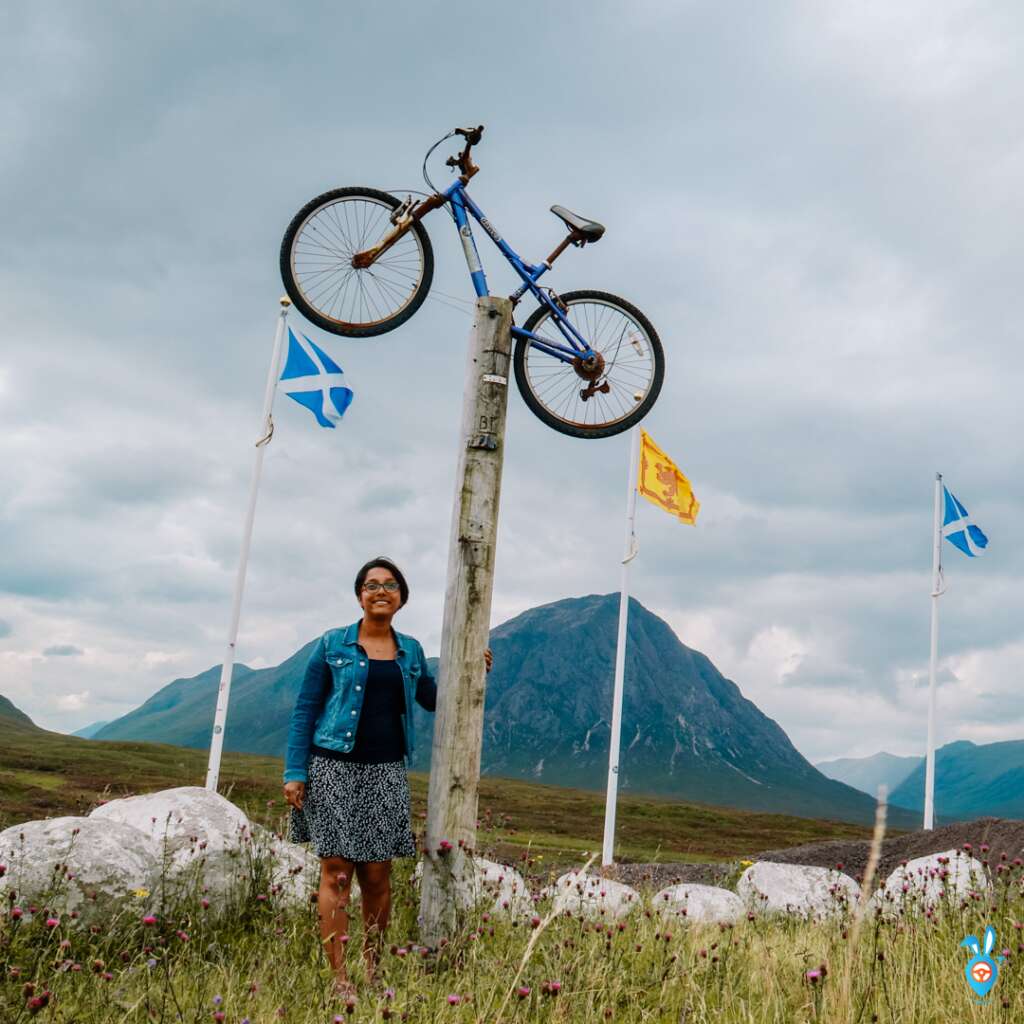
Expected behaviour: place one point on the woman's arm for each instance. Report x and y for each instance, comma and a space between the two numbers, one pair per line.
310, 701
426, 688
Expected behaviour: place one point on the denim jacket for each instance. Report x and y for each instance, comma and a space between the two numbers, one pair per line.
329, 703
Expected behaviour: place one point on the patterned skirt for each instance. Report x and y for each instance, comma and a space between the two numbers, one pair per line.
356, 811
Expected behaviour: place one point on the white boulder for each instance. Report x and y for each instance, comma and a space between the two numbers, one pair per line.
796, 889
593, 897
700, 904
77, 864
477, 881
200, 839
926, 881
294, 869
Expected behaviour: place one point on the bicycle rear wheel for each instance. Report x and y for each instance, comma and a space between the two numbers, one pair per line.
316, 264
607, 398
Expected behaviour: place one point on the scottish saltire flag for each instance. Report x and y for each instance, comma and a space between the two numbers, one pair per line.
315, 380
958, 529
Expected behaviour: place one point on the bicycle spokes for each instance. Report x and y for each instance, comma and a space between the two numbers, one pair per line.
604, 388
322, 268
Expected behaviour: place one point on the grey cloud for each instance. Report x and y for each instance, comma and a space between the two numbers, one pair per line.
62, 651
822, 223
5, 628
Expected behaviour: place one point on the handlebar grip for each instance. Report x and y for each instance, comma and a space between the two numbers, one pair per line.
471, 135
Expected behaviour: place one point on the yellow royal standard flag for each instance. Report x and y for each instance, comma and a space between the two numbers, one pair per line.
661, 483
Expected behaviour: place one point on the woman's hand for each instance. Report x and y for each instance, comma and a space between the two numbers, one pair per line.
488, 659
295, 794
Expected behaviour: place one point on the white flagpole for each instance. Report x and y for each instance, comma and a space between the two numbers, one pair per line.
607, 855
266, 432
929, 773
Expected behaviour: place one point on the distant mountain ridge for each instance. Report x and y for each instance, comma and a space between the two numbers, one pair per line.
88, 731
970, 779
868, 773
687, 731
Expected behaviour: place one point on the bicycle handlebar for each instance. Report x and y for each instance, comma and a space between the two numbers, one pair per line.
463, 161
471, 135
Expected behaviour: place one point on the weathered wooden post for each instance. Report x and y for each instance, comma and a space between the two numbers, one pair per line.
459, 719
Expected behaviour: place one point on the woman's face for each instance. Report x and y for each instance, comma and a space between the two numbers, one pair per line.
378, 600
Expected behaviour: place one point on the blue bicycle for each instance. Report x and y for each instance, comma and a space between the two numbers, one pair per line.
358, 262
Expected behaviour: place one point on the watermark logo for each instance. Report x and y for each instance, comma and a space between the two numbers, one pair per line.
982, 970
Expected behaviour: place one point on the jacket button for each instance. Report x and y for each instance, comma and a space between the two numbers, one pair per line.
348, 734
353, 714
358, 688
362, 664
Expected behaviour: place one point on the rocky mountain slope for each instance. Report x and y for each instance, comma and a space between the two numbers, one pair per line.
687, 731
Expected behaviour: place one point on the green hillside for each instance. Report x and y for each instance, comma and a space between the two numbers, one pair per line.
44, 774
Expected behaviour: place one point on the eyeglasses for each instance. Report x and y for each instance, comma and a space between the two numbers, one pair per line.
373, 586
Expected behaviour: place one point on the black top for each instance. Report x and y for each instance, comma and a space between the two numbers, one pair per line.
379, 736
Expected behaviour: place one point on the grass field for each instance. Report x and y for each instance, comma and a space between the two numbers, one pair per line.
46, 774
250, 959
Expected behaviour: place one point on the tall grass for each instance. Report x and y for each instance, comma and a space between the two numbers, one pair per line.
250, 956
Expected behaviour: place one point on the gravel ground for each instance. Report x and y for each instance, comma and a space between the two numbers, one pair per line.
1001, 835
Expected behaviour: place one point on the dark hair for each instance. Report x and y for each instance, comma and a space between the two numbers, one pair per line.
382, 562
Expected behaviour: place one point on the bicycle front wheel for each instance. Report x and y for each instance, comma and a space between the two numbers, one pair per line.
316, 264
611, 394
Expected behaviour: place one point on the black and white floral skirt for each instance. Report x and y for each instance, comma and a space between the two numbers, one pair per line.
356, 811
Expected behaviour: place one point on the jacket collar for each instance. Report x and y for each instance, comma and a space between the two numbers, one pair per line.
351, 637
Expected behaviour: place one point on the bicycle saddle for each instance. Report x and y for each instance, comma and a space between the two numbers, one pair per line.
589, 229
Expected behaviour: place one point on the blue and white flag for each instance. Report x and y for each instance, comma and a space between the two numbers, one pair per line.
958, 529
315, 380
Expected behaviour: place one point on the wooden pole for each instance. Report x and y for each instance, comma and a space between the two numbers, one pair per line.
459, 722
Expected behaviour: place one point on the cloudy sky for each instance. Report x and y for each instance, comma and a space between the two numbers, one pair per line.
817, 203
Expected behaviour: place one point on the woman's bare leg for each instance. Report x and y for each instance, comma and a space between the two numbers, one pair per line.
375, 891
332, 902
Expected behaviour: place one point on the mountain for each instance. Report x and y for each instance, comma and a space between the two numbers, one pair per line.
182, 712
687, 731
89, 731
14, 716
970, 780
868, 773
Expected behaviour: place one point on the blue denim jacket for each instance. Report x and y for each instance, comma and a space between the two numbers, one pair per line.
329, 703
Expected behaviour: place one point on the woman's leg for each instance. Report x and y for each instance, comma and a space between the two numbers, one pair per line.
375, 892
332, 902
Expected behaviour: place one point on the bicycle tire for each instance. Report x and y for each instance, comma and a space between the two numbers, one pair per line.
333, 250
540, 408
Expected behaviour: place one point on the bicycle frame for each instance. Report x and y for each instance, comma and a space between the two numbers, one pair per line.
463, 207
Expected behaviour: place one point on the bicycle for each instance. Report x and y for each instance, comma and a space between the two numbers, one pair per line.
358, 262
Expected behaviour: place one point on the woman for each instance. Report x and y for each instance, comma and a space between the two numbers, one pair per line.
348, 741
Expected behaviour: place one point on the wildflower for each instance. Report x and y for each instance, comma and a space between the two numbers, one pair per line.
217, 1000
151, 963
149, 920
552, 987
52, 922
205, 904
523, 991
3, 870
16, 913
454, 1000
218, 1015
389, 993
182, 935
813, 976
534, 922
140, 894
107, 976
